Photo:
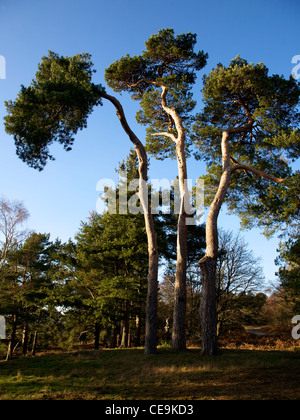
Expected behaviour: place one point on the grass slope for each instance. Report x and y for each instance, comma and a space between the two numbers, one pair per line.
128, 374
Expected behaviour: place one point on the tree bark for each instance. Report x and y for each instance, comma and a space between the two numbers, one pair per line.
34, 344
208, 264
125, 332
137, 337
97, 336
151, 304
11, 345
123, 335
129, 339
179, 314
25, 336
208, 312
113, 337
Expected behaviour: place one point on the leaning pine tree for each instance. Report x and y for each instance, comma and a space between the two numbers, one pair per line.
53, 108
253, 118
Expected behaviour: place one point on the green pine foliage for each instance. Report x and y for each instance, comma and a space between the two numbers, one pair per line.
111, 255
53, 108
289, 272
169, 60
262, 112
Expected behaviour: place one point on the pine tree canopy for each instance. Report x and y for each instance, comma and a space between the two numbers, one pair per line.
261, 114
169, 61
53, 108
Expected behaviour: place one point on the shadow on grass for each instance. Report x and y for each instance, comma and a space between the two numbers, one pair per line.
129, 374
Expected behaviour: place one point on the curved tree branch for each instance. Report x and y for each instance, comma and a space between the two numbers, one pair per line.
257, 172
237, 163
134, 139
166, 134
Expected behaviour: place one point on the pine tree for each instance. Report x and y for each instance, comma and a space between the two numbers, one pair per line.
253, 119
53, 108
161, 79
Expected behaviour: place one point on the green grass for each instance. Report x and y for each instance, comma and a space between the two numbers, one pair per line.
129, 374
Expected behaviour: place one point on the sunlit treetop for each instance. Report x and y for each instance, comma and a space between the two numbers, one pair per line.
245, 95
169, 60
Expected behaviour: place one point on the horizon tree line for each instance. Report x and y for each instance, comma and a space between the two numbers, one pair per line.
50, 292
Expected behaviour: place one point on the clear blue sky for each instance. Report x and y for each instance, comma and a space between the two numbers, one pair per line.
65, 192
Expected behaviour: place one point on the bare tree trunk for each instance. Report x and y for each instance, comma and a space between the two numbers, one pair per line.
208, 311
12, 341
179, 315
129, 339
137, 337
113, 337
125, 332
25, 338
97, 336
9, 353
151, 305
208, 264
123, 335
34, 344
